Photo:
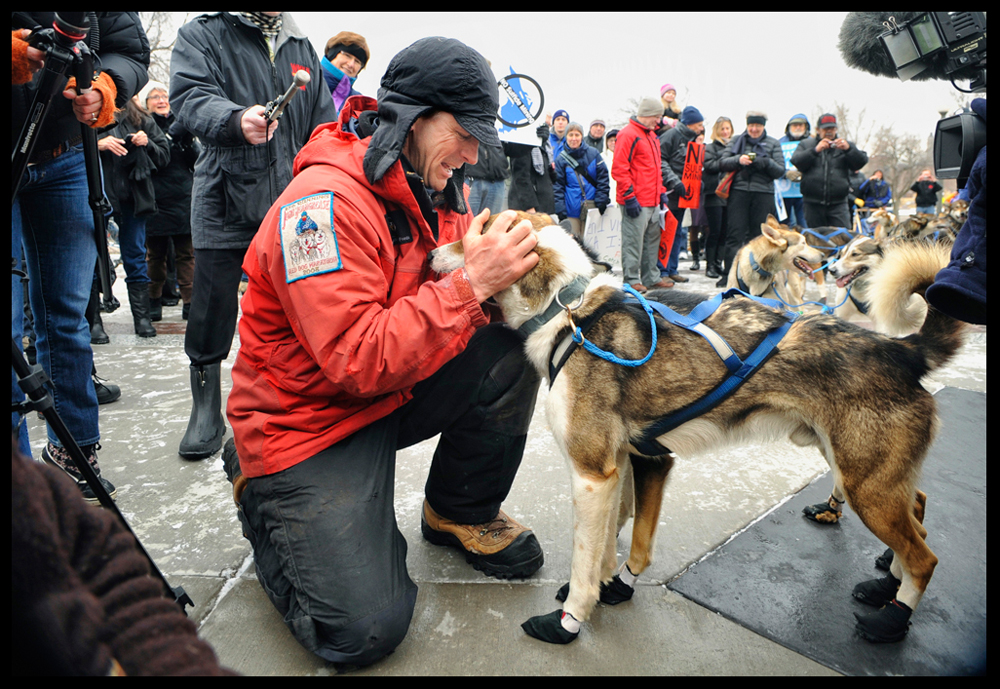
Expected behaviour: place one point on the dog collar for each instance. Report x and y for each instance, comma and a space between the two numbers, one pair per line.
756, 267
567, 295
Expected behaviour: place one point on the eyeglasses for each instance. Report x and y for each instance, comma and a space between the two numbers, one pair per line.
159, 97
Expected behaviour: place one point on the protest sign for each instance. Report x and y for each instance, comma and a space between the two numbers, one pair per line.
693, 161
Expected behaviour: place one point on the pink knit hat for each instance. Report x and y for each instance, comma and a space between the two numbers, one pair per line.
667, 87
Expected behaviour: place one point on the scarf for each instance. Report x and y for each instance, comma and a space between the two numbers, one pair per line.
270, 26
340, 84
744, 144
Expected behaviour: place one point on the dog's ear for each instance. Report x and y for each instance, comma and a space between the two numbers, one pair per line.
773, 222
773, 235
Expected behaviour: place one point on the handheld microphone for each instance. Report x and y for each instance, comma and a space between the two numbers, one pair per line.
276, 108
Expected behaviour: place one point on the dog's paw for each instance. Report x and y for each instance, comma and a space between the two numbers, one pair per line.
551, 628
886, 625
612, 593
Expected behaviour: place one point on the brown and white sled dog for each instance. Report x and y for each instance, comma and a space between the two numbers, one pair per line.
869, 416
763, 260
853, 271
863, 258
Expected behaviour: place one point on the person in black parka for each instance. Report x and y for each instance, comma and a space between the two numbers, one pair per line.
224, 68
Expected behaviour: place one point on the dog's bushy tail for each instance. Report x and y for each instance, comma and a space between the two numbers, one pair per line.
897, 306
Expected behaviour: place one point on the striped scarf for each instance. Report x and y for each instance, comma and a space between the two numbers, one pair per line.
270, 26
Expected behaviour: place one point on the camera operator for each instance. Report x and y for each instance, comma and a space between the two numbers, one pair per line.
960, 289
52, 217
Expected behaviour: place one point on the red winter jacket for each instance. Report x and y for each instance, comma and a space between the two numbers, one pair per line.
338, 326
636, 165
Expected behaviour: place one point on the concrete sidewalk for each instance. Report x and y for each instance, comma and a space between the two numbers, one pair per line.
464, 623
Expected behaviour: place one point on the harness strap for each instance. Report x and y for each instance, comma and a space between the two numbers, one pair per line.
861, 306
648, 445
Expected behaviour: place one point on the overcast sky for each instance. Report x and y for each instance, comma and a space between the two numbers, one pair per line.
592, 63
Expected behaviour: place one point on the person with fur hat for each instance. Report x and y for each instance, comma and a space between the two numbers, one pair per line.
758, 160
352, 348
640, 192
346, 54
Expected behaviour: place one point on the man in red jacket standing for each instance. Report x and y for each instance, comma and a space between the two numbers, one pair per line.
636, 171
351, 348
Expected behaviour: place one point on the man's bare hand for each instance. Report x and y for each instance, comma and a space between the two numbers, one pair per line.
86, 106
495, 260
255, 127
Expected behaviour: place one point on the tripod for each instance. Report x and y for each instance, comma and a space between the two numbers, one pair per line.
64, 48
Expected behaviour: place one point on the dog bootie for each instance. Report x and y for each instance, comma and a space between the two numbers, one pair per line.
551, 628
612, 593
884, 561
886, 625
877, 592
822, 513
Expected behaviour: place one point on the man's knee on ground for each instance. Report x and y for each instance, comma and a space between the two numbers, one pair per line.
363, 641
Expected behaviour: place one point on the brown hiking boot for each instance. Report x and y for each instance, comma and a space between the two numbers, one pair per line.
500, 548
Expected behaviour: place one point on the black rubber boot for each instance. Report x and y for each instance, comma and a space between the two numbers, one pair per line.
206, 427
97, 334
155, 309
138, 298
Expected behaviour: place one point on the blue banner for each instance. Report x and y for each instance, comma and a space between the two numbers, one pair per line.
788, 189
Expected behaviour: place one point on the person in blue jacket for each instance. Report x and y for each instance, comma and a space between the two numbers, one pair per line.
875, 191
582, 180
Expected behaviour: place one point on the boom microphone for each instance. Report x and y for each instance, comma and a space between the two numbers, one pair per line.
861, 46
275, 109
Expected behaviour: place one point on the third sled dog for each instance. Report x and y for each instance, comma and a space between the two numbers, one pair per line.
869, 415
761, 264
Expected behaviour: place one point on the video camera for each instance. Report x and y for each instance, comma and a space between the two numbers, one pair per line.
952, 42
922, 46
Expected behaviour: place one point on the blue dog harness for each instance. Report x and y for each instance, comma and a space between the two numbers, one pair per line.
739, 370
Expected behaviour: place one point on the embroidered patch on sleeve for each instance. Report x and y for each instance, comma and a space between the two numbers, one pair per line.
308, 239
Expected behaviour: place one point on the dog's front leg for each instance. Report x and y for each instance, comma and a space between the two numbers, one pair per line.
595, 513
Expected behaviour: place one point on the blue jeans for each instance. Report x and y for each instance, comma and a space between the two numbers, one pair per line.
132, 242
486, 194
54, 222
796, 212
930, 210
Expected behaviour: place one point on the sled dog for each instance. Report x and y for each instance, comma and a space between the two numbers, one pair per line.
869, 415
760, 264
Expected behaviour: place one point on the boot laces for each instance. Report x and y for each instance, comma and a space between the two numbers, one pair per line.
498, 525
